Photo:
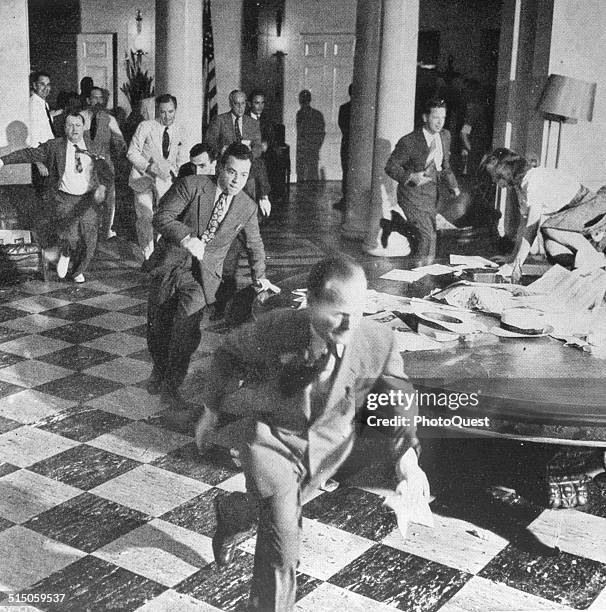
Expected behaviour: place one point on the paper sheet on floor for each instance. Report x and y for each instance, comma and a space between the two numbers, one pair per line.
438, 269
411, 341
407, 276
408, 511
472, 261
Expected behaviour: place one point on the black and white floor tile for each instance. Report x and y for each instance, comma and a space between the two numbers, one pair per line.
101, 501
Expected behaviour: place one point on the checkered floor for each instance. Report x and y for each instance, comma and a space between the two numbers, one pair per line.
106, 507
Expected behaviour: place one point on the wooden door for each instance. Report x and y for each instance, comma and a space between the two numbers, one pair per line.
327, 72
97, 59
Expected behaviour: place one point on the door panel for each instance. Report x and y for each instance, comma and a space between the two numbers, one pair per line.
97, 59
327, 72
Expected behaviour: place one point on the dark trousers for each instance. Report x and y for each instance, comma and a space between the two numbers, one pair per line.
173, 333
423, 224
76, 225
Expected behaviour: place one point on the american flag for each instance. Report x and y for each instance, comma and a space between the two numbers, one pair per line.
208, 70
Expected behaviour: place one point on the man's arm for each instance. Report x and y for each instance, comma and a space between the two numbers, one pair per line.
180, 195
117, 143
135, 150
447, 172
399, 163
28, 156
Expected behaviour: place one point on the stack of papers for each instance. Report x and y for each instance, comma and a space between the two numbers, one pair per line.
472, 261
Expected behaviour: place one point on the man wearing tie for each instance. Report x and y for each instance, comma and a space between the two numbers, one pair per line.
418, 162
300, 378
156, 152
41, 126
75, 189
107, 141
198, 219
223, 130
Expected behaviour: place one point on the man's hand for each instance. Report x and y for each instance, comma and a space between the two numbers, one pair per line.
42, 169
516, 273
456, 192
194, 246
205, 429
413, 481
264, 284
160, 169
419, 178
100, 193
265, 206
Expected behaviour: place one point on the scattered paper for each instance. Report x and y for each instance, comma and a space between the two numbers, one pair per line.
438, 269
407, 511
472, 261
377, 302
411, 341
407, 276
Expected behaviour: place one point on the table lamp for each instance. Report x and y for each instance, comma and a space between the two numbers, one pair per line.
565, 100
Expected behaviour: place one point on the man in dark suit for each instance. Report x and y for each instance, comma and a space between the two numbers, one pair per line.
307, 375
198, 219
418, 162
202, 160
224, 129
344, 122
75, 189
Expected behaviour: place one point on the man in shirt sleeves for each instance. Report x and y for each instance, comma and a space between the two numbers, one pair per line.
72, 196
198, 219
418, 163
301, 379
156, 152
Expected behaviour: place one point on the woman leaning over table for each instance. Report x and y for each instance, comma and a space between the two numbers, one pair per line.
566, 212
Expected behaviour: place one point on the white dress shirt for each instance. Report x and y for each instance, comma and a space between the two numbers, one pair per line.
438, 155
72, 181
39, 127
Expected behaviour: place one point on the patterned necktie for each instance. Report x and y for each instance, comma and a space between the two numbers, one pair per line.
93, 127
79, 166
165, 143
50, 119
432, 154
237, 128
215, 219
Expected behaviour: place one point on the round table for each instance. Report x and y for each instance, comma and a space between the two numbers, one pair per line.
530, 389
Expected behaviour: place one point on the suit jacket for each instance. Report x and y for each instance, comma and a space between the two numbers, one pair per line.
146, 147
185, 210
410, 155
221, 133
256, 353
52, 154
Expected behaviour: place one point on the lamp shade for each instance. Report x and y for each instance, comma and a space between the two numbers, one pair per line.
567, 98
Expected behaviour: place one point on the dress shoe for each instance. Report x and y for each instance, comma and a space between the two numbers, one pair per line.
154, 386
79, 278
227, 537
111, 234
62, 266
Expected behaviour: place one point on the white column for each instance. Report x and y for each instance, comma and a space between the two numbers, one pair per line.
179, 60
363, 108
394, 111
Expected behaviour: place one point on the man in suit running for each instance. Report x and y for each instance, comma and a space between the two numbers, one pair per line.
418, 162
301, 378
156, 152
198, 219
73, 193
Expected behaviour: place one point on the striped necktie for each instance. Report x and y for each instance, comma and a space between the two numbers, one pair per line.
237, 129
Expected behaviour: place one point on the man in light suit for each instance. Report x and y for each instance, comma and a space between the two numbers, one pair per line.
198, 219
301, 378
156, 152
73, 193
224, 129
418, 162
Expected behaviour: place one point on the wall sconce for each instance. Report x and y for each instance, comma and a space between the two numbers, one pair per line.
139, 20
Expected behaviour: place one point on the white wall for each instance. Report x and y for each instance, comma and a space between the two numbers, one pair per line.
119, 16
226, 16
14, 85
578, 49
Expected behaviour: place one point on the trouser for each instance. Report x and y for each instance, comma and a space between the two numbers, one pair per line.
229, 286
76, 225
145, 202
423, 224
110, 208
173, 333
